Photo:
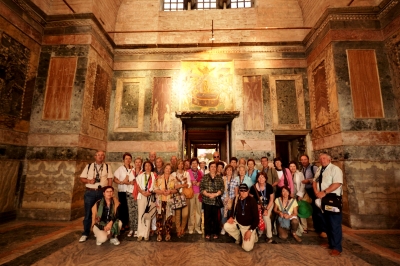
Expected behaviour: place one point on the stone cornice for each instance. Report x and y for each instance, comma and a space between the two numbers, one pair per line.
211, 50
348, 14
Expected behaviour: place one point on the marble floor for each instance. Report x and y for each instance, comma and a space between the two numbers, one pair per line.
56, 243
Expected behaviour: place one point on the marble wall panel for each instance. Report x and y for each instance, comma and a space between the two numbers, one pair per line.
57, 103
100, 99
324, 107
364, 80
287, 100
373, 189
161, 105
14, 61
129, 105
348, 122
392, 46
48, 190
72, 125
96, 98
8, 181
253, 103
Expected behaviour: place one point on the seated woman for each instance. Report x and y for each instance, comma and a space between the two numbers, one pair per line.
286, 210
299, 189
264, 195
165, 188
105, 222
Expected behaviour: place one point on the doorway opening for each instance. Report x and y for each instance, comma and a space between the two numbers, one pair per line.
206, 132
290, 148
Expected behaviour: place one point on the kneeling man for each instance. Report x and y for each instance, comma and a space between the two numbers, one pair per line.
105, 222
243, 219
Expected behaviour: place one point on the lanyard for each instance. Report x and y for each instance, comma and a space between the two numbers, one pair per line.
243, 204
128, 170
98, 172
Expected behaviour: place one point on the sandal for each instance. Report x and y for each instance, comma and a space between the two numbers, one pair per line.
179, 235
182, 233
168, 237
305, 231
159, 238
130, 233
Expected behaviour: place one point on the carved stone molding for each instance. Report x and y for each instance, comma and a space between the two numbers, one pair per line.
225, 50
82, 22
28, 9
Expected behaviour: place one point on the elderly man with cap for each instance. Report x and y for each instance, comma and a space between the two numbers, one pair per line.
243, 219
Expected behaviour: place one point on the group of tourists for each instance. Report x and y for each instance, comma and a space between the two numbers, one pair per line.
236, 198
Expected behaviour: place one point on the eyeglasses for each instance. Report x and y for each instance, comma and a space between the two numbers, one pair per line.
242, 190
216, 156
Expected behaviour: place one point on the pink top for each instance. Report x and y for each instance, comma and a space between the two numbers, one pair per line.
290, 180
196, 189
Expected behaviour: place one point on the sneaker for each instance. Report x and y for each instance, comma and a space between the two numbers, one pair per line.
198, 231
115, 241
82, 239
98, 243
223, 231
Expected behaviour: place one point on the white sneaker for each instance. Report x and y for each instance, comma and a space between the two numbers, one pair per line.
98, 243
223, 231
199, 231
82, 239
115, 241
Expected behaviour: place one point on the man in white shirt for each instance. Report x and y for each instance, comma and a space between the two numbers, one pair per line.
95, 176
328, 180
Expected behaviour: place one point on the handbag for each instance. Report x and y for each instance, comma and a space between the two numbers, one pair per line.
177, 201
331, 202
219, 202
188, 192
229, 204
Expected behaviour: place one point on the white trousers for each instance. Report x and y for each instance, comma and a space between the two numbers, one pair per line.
235, 233
143, 224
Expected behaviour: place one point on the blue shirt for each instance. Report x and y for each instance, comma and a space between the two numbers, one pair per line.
246, 180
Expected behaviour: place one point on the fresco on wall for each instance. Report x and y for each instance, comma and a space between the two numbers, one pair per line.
206, 86
59, 88
253, 114
14, 60
99, 105
161, 105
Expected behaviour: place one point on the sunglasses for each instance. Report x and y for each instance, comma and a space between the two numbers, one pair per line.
216, 156
243, 190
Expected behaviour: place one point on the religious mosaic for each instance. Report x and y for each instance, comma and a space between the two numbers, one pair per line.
253, 103
161, 101
206, 86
